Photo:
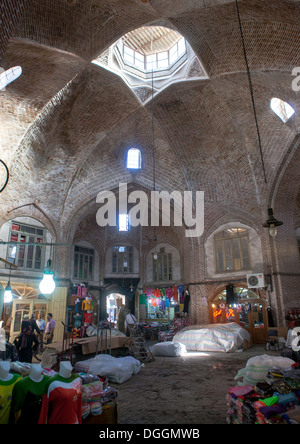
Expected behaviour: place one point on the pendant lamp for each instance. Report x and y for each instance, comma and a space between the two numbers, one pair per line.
47, 284
272, 223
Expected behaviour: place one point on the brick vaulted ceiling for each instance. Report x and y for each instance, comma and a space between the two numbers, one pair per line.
66, 123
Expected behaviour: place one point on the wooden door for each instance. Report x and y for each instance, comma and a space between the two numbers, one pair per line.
22, 307
57, 307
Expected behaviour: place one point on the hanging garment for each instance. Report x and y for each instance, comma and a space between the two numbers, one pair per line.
77, 306
186, 303
157, 293
26, 401
83, 291
87, 318
6, 389
87, 304
169, 293
143, 299
62, 401
180, 290
78, 321
175, 295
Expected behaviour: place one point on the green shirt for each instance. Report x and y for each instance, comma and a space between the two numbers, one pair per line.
27, 400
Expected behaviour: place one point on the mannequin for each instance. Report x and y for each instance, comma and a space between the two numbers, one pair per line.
36, 373
4, 371
7, 383
62, 399
65, 369
27, 397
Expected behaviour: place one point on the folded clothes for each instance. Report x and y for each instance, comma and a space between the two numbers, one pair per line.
270, 401
272, 410
96, 408
86, 409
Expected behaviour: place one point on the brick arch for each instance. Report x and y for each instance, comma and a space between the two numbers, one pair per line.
33, 211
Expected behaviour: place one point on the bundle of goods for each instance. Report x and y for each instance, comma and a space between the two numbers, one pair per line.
116, 370
274, 400
95, 394
164, 336
169, 349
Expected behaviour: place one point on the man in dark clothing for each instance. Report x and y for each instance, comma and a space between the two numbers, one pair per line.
26, 343
33, 324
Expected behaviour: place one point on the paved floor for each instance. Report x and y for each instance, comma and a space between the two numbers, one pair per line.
182, 390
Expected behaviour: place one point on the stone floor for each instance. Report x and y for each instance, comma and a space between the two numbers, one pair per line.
182, 390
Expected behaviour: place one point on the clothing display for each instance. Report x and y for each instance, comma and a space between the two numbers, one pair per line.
164, 302
6, 390
83, 310
27, 400
62, 402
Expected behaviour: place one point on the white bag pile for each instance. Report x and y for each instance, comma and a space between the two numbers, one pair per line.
116, 370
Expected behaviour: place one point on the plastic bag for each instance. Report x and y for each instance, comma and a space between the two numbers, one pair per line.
115, 369
257, 367
169, 349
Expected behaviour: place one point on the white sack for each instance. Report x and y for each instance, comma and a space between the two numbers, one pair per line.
168, 349
115, 369
257, 368
213, 337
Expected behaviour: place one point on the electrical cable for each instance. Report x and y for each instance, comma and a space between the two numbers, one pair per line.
251, 89
7, 175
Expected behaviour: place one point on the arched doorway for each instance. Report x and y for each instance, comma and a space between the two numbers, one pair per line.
114, 301
248, 310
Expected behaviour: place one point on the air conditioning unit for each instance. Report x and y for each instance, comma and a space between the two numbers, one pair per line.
256, 280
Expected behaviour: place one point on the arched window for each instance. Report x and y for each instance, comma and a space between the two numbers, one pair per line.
282, 109
162, 266
122, 259
134, 159
83, 262
232, 251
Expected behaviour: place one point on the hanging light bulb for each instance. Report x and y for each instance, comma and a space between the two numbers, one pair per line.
47, 284
273, 230
8, 294
272, 223
155, 256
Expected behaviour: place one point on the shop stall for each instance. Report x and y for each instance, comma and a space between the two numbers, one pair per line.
162, 304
